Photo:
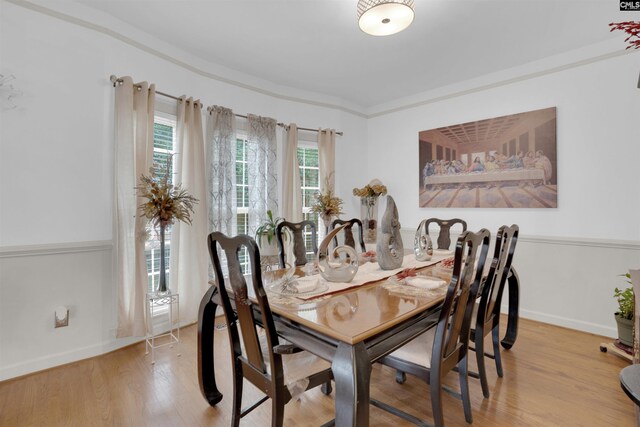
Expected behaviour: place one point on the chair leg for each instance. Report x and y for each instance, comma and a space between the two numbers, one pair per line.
237, 397
326, 388
464, 389
277, 412
496, 349
401, 377
482, 372
436, 402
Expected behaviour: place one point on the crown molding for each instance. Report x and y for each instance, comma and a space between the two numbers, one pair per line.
518, 74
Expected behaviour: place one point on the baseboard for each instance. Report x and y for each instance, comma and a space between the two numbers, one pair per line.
64, 358
566, 322
32, 366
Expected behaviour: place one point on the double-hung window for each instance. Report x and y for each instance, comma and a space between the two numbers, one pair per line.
164, 136
309, 180
242, 196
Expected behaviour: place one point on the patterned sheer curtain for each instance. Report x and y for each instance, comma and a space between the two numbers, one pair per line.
189, 254
134, 110
261, 165
221, 170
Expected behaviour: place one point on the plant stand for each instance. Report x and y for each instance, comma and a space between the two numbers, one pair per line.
163, 308
611, 348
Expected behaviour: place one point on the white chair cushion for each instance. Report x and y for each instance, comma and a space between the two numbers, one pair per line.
418, 351
297, 367
474, 315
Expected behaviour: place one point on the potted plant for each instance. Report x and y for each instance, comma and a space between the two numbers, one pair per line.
266, 235
624, 315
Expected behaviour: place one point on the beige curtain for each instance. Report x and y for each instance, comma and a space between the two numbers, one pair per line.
291, 188
189, 253
327, 155
134, 111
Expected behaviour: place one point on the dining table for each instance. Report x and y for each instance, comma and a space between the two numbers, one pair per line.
351, 325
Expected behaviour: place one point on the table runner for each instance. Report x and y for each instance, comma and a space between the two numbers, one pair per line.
367, 273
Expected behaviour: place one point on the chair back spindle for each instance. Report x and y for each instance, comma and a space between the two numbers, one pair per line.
444, 236
300, 249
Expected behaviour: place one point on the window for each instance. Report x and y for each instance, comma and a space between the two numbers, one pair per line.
242, 197
310, 182
164, 134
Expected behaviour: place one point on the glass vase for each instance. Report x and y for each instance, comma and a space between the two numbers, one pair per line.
369, 218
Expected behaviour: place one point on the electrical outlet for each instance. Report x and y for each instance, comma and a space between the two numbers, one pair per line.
61, 317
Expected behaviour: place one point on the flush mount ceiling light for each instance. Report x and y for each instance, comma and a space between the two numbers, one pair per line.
384, 17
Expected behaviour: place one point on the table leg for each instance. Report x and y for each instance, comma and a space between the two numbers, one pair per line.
514, 302
351, 371
206, 327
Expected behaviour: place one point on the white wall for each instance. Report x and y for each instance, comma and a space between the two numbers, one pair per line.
568, 258
56, 174
56, 163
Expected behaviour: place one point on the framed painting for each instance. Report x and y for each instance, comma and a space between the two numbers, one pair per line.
504, 162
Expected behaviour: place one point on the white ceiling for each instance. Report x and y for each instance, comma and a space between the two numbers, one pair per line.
316, 45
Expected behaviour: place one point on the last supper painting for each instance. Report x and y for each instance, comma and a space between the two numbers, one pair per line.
503, 162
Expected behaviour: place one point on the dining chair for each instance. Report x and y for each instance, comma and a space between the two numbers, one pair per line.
444, 347
487, 319
297, 233
277, 368
348, 233
444, 236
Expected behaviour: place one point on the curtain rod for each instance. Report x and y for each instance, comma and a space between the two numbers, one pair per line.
115, 80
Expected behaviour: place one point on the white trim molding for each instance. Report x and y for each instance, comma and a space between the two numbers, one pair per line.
55, 248
559, 63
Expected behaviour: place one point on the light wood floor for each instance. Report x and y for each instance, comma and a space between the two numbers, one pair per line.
553, 377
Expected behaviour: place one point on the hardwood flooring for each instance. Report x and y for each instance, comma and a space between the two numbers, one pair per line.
553, 377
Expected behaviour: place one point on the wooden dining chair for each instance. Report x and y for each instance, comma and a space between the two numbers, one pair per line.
487, 319
444, 236
348, 233
296, 232
444, 347
277, 369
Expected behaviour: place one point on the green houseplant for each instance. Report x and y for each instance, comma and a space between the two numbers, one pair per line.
266, 235
624, 315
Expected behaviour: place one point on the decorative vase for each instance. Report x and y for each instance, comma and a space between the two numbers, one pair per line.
326, 220
162, 286
339, 264
422, 244
369, 218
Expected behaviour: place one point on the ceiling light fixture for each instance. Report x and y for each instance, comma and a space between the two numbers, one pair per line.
384, 17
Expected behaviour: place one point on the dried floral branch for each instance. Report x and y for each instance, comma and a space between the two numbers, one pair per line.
632, 28
165, 202
326, 204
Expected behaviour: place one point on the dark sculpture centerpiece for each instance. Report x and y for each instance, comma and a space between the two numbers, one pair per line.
165, 203
389, 249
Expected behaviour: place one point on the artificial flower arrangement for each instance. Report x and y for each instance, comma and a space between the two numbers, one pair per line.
165, 203
632, 28
373, 189
326, 204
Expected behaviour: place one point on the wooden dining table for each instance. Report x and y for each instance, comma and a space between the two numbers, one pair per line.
351, 329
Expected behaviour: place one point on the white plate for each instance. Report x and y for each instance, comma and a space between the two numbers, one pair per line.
276, 288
